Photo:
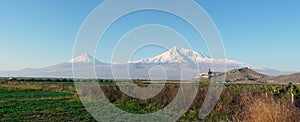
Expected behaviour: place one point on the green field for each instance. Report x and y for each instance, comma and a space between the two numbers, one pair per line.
58, 101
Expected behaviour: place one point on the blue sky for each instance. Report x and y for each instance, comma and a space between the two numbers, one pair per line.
38, 33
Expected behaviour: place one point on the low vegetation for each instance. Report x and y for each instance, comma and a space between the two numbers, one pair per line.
58, 101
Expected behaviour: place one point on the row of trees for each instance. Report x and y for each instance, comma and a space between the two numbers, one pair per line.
68, 80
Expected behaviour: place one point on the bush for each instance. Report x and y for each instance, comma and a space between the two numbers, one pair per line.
260, 107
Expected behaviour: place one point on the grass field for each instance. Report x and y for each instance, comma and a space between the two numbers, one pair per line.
58, 101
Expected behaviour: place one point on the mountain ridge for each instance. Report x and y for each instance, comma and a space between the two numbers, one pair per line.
173, 61
247, 75
182, 55
174, 55
85, 58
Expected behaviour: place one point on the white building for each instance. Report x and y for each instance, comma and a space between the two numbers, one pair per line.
208, 74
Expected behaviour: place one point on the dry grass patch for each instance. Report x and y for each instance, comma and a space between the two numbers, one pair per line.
258, 107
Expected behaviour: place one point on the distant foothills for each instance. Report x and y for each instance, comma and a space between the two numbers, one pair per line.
175, 64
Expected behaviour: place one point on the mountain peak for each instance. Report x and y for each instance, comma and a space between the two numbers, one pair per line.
84, 58
176, 48
244, 74
174, 55
185, 52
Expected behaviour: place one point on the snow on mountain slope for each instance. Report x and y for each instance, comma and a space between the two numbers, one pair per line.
85, 58
182, 55
174, 61
175, 54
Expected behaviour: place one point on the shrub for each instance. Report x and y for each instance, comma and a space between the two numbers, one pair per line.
260, 107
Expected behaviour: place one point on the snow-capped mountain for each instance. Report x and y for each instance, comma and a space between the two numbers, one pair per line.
187, 56
176, 63
175, 55
85, 58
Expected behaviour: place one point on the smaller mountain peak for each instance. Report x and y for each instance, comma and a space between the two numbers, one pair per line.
244, 70
244, 74
86, 54
84, 58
